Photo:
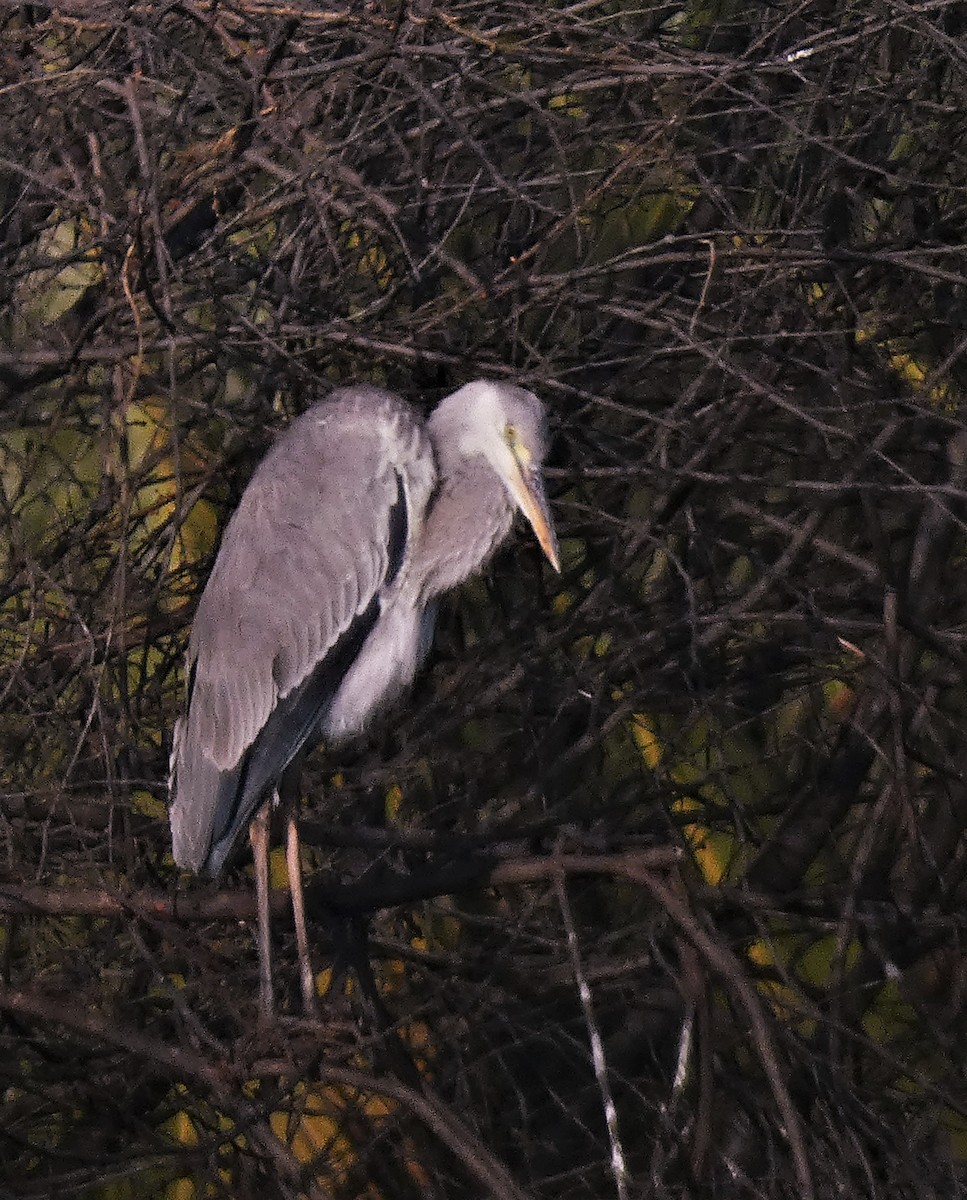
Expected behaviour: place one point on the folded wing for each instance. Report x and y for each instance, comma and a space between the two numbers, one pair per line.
319, 535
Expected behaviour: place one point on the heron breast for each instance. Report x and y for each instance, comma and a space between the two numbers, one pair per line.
384, 668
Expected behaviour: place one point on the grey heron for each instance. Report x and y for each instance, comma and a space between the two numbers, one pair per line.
320, 606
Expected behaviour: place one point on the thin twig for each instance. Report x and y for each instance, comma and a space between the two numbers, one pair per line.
619, 1167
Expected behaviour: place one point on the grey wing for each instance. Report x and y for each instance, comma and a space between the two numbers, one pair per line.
320, 532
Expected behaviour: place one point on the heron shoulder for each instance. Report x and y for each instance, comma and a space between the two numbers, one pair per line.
353, 430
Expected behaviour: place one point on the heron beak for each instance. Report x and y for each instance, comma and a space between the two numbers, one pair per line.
528, 491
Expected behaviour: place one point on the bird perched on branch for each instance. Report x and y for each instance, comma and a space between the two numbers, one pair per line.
320, 607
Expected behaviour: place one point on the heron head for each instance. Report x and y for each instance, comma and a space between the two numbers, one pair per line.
507, 426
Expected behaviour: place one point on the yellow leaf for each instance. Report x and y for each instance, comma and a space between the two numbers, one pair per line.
148, 806
180, 1189
561, 603
889, 1016
646, 739
181, 1128
393, 802
839, 697
602, 645
761, 952
278, 870
712, 852
47, 294
815, 964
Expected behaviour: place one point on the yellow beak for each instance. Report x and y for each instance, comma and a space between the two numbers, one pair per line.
528, 491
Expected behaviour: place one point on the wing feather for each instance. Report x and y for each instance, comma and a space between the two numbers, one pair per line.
301, 562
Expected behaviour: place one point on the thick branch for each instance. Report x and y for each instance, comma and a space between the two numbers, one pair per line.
389, 890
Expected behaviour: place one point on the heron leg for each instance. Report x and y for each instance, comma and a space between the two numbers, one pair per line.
258, 832
294, 864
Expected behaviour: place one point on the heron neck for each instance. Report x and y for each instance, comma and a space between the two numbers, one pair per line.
465, 521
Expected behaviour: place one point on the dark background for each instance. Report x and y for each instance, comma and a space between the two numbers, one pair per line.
715, 771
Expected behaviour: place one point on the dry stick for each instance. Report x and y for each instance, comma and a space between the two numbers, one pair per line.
130, 94
829, 549
800, 542
195, 1029
705, 286
619, 1167
726, 964
221, 1079
468, 1149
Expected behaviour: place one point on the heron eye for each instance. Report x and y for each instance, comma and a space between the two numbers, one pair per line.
517, 445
